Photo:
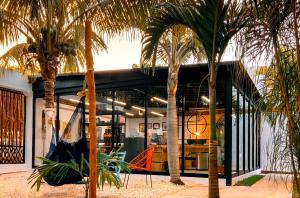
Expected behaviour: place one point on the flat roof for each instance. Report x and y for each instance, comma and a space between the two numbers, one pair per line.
72, 82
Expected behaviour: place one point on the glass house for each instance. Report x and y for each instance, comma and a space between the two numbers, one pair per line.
131, 112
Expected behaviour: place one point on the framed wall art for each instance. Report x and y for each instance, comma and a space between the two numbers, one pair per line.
156, 126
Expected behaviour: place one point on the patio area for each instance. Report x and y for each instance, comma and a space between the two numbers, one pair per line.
15, 185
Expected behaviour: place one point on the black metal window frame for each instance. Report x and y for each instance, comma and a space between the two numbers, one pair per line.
238, 133
182, 98
253, 155
242, 90
249, 135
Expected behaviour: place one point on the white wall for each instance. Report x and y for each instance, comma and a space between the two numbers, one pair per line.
65, 113
15, 81
273, 157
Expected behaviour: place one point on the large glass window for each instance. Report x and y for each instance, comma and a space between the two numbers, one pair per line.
246, 132
253, 141
258, 137
234, 128
157, 130
129, 120
70, 118
250, 136
197, 128
241, 132
255, 138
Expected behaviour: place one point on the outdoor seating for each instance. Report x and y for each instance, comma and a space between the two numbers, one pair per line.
142, 162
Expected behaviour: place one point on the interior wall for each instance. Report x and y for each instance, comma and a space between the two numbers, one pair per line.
39, 148
132, 126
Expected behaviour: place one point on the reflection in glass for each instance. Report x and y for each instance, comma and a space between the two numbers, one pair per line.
241, 132
157, 127
251, 137
246, 134
234, 128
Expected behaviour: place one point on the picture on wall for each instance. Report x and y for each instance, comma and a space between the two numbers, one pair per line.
149, 125
156, 126
164, 126
141, 127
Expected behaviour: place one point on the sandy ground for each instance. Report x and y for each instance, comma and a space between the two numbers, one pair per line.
271, 186
14, 185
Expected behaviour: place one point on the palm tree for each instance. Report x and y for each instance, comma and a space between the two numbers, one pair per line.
273, 107
54, 35
268, 32
174, 48
296, 36
215, 23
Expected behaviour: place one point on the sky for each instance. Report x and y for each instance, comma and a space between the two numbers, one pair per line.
123, 53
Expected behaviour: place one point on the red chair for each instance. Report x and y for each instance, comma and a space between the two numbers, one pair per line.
142, 162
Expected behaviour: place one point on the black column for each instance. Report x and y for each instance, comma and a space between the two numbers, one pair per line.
238, 133
182, 127
256, 142
57, 118
259, 137
113, 120
146, 99
253, 140
83, 117
244, 140
228, 131
33, 132
249, 145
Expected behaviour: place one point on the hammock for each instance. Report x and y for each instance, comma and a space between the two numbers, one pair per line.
63, 151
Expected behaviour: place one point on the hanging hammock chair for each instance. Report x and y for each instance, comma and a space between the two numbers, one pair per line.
63, 151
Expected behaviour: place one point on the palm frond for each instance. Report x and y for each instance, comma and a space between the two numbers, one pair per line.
267, 22
61, 170
48, 167
170, 16
17, 58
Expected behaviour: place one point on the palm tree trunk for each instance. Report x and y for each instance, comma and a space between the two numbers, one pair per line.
288, 111
49, 112
92, 109
213, 191
172, 144
49, 75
